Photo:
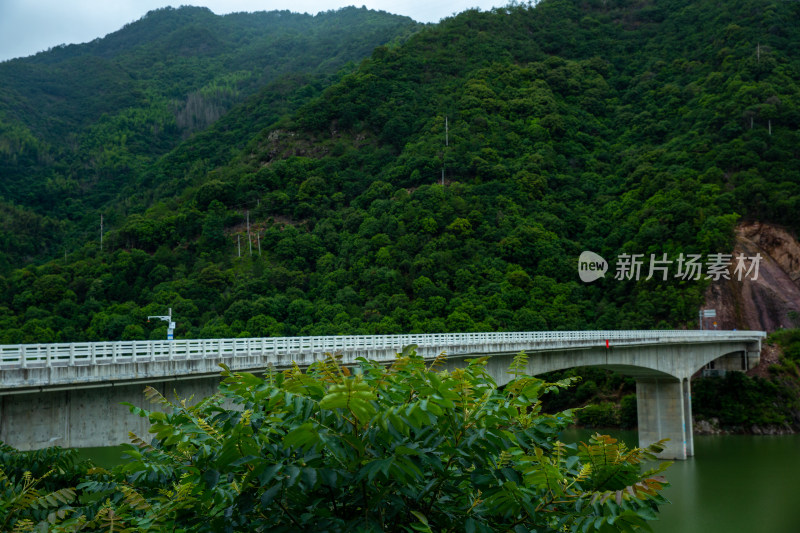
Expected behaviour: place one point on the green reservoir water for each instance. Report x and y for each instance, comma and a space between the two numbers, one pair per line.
733, 484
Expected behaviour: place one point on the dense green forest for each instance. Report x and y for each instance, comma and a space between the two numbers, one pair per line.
83, 126
448, 183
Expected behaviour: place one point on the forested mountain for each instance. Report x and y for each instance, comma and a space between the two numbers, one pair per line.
449, 183
81, 126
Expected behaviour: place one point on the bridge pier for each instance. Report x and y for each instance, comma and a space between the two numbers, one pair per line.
687, 409
665, 412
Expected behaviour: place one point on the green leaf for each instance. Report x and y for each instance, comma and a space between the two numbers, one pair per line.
309, 477
409, 350
269, 473
292, 472
405, 450
354, 395
304, 436
269, 495
421, 517
469, 525
211, 477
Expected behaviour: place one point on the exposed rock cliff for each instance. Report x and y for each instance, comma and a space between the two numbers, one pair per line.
772, 300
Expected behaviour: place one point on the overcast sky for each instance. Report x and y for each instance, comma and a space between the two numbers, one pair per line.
31, 26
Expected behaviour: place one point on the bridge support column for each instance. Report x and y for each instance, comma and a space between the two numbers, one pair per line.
663, 411
687, 416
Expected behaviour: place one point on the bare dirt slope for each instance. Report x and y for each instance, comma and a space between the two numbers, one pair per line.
771, 301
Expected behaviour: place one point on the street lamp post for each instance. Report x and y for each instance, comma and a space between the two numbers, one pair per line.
168, 320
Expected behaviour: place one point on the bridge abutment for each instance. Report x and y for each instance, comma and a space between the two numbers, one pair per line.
88, 417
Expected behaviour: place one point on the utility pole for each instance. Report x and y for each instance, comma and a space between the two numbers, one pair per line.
239, 243
446, 144
249, 239
101, 232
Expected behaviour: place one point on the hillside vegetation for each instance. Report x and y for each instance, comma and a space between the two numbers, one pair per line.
82, 126
611, 126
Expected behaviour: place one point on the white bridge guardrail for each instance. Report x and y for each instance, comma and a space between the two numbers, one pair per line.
275, 349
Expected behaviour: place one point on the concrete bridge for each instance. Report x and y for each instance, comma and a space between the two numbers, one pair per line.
69, 394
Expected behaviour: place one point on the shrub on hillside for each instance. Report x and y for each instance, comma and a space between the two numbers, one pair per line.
602, 415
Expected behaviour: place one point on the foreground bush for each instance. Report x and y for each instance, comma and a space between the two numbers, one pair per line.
403, 448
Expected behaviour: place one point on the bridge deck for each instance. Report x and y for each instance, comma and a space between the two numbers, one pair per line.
48, 365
